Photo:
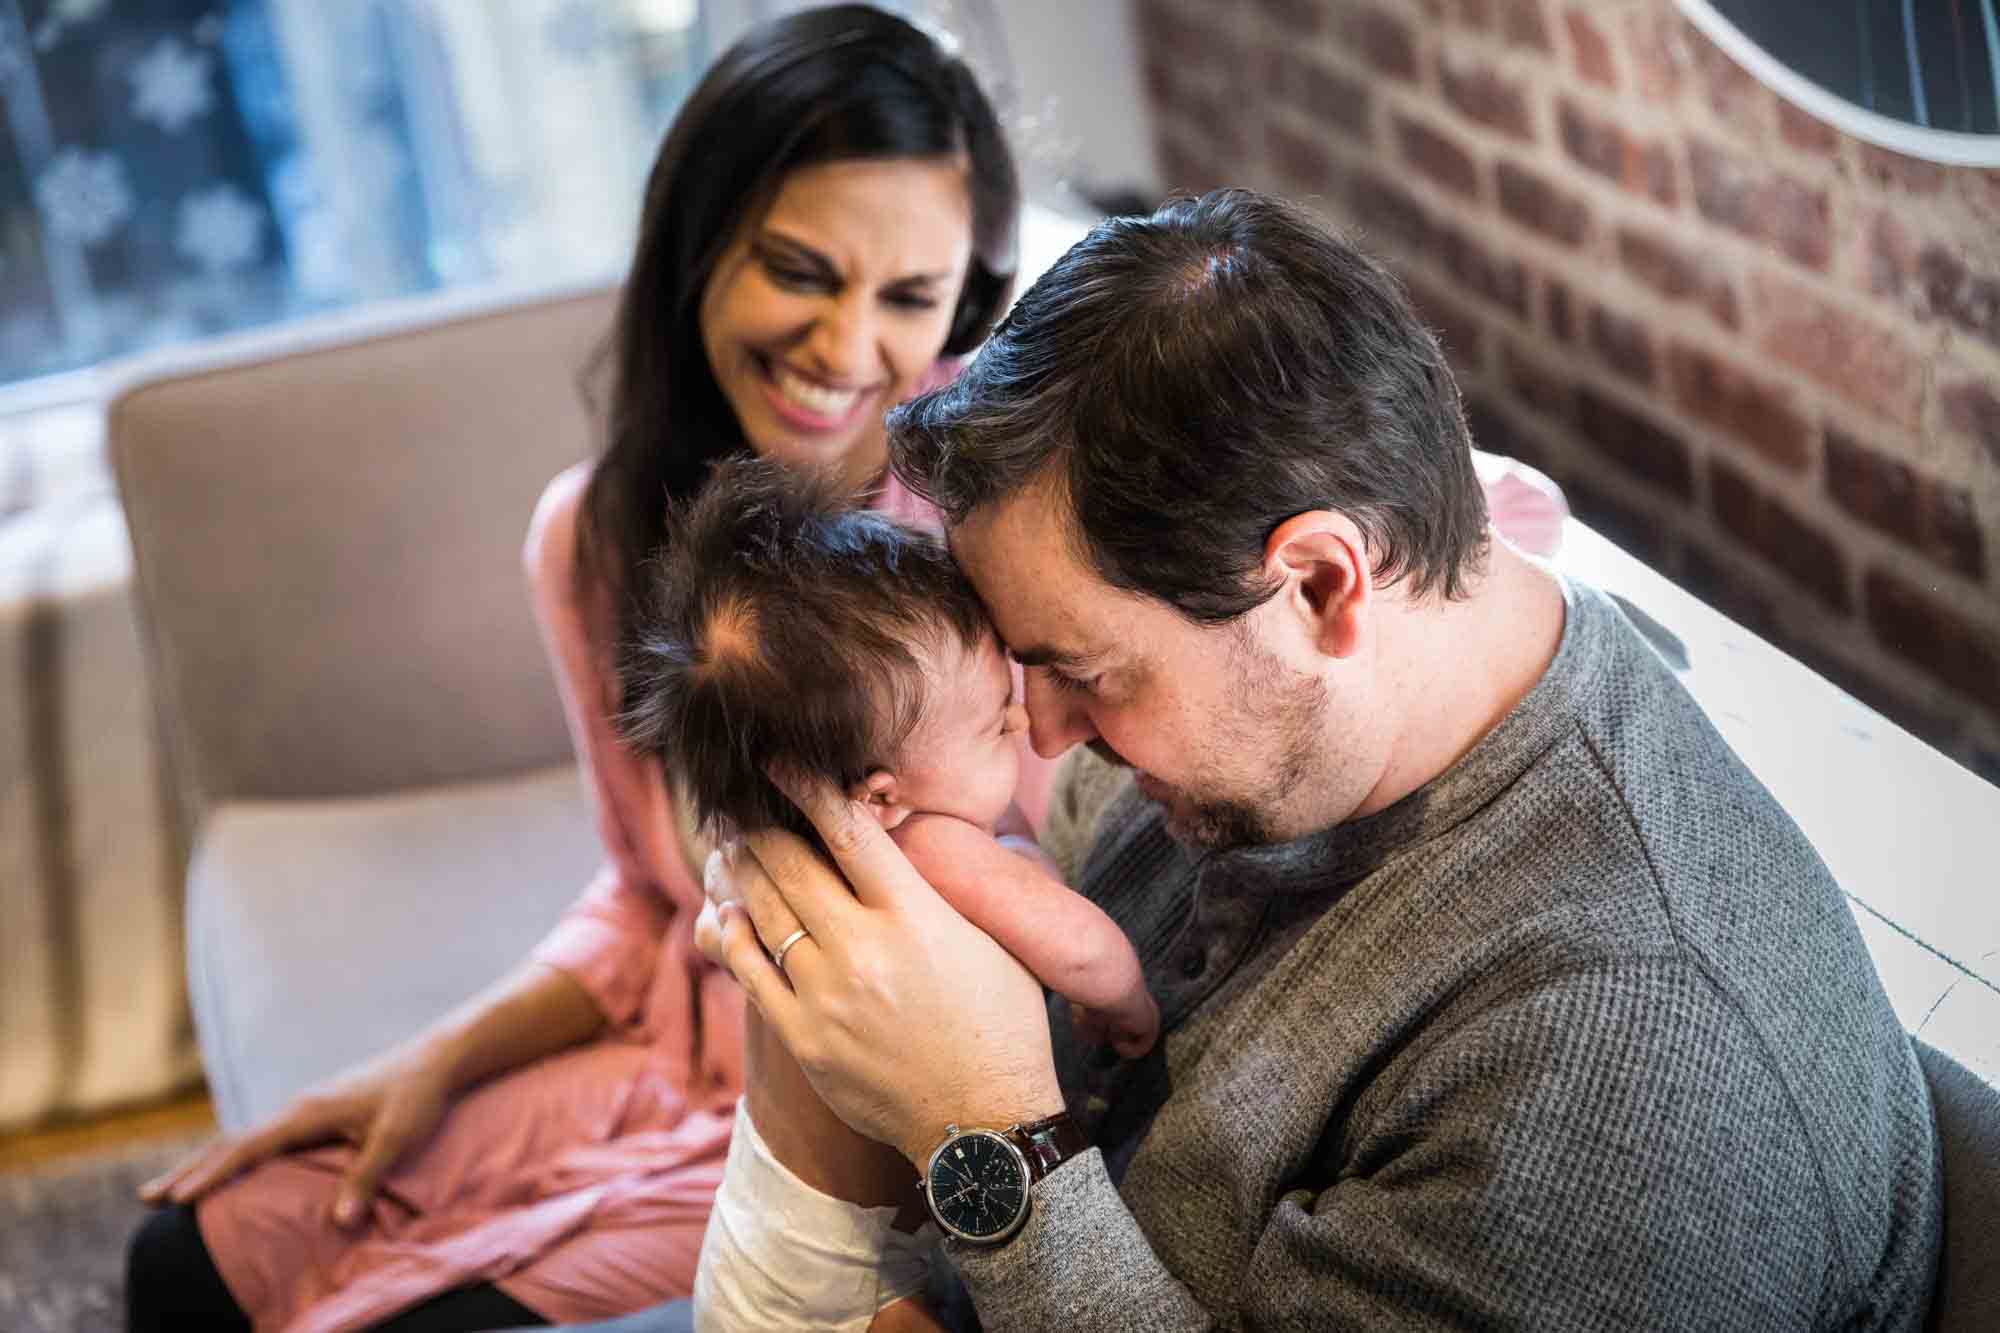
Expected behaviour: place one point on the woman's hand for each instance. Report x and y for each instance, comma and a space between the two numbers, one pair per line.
386, 1108
903, 1015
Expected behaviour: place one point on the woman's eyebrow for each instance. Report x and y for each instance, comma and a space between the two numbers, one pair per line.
796, 250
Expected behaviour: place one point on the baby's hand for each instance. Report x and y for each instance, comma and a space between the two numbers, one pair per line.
1129, 1029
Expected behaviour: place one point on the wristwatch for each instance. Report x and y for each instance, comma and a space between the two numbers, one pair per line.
976, 1184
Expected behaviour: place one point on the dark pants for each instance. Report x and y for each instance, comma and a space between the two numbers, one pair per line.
171, 1284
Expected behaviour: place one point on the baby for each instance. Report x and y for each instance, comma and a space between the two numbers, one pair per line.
786, 626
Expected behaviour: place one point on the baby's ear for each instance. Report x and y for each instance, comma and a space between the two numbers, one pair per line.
878, 791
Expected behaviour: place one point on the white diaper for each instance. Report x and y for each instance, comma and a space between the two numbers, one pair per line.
779, 1255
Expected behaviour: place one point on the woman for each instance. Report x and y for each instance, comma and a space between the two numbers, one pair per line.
829, 220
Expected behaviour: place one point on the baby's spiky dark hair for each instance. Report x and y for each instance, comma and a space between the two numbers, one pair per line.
779, 627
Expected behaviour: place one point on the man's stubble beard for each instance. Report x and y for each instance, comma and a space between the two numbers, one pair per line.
1290, 714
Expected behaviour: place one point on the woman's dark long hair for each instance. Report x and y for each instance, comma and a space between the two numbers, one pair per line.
825, 85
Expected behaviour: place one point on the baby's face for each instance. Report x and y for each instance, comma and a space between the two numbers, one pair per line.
964, 757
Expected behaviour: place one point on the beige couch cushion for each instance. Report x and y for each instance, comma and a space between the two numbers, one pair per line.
321, 933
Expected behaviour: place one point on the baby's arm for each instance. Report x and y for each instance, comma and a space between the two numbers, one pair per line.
1062, 937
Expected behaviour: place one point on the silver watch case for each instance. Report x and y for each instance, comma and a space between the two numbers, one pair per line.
953, 1134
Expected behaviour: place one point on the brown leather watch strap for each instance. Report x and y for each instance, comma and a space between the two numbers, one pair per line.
1048, 1143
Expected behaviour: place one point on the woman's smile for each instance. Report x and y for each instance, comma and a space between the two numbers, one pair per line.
809, 403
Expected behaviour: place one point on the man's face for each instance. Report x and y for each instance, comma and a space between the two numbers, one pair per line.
1227, 726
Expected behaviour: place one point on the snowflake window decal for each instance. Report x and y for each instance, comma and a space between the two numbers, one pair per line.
220, 229
84, 196
171, 85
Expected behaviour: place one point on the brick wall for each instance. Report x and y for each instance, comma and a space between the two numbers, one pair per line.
1760, 354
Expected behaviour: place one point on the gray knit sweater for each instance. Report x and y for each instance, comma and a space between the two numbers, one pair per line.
1579, 1035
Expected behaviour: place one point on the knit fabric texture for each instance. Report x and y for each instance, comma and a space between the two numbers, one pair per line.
1580, 1035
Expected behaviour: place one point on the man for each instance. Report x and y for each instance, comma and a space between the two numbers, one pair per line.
1495, 991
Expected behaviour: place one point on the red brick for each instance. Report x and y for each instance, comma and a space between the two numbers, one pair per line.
1623, 344
1804, 553
1474, 14
1333, 100
1208, 114
1896, 172
1495, 432
1651, 453
1754, 413
1386, 43
1535, 386
1630, 526
1186, 164
1892, 259
1920, 628
1766, 205
1959, 295
1602, 146
1592, 50
1980, 192
1438, 157
1678, 273
1656, 49
1300, 161
1732, 91
1972, 408
1865, 363
1534, 202
1806, 132
1985, 762
1486, 98
1728, 585
1301, 17
1455, 324
1558, 311
1521, 24
1175, 36
1388, 213
1891, 497
1503, 282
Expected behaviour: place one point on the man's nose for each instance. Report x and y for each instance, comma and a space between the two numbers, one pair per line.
1057, 719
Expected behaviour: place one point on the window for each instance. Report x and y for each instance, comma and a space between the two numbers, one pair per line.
183, 168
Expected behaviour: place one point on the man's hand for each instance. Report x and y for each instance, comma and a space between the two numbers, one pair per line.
903, 1015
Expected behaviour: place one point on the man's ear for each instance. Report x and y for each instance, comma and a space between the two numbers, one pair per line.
1322, 559
878, 792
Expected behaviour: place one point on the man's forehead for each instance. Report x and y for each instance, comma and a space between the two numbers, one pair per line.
1045, 603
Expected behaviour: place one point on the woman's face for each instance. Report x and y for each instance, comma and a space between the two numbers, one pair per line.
831, 307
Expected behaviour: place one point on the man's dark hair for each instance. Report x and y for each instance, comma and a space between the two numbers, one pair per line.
1190, 380
780, 625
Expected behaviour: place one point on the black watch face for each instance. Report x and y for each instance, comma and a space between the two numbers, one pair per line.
978, 1186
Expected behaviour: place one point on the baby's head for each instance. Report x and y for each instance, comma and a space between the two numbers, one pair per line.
784, 626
